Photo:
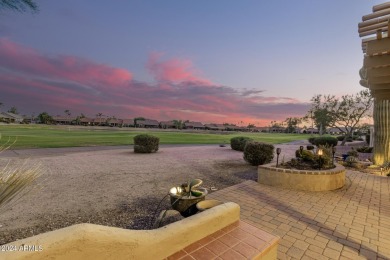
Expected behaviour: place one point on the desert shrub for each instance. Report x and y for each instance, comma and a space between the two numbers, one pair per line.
340, 137
307, 156
311, 140
257, 153
353, 153
350, 160
238, 143
326, 155
145, 143
364, 149
325, 140
310, 147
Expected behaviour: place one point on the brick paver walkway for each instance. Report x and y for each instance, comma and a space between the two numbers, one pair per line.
350, 223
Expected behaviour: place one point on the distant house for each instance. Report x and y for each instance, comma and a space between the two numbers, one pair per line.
11, 117
233, 128
63, 120
127, 122
167, 124
217, 127
262, 129
311, 131
277, 129
194, 125
148, 123
99, 121
114, 122
86, 121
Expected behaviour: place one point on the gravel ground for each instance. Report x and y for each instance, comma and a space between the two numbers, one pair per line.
114, 186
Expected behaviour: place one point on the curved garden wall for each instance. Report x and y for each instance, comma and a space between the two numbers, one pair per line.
307, 180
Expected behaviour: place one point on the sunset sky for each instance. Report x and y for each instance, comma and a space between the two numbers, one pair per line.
209, 61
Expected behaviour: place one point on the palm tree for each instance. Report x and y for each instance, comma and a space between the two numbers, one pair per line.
99, 115
19, 5
67, 112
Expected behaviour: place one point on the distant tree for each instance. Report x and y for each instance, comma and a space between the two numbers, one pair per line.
343, 113
45, 118
13, 110
251, 126
19, 5
1, 105
179, 124
292, 124
78, 118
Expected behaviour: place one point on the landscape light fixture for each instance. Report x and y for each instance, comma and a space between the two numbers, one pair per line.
278, 151
301, 148
319, 152
333, 152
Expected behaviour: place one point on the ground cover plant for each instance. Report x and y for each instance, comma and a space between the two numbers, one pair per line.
45, 136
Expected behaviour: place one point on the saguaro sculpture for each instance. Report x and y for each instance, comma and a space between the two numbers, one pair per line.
375, 75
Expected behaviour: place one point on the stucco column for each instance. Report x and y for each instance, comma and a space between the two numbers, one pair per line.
382, 131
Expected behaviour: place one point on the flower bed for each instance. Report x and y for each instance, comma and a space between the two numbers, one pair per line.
307, 180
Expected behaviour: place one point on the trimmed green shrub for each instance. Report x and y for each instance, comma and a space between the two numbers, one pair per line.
145, 143
257, 153
310, 147
340, 137
238, 143
325, 140
365, 149
311, 140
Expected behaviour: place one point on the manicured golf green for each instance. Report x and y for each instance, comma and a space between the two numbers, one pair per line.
45, 136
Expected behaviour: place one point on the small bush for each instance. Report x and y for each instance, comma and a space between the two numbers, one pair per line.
257, 153
350, 160
311, 140
325, 140
310, 147
353, 153
145, 143
238, 143
340, 137
365, 149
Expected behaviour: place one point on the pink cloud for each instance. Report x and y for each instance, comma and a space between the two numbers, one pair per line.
173, 70
36, 82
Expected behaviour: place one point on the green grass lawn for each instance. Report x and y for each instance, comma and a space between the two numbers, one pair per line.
44, 136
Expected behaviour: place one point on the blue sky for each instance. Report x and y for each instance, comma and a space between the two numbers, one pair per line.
202, 55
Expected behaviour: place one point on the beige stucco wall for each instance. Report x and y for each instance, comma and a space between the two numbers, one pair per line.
302, 180
89, 241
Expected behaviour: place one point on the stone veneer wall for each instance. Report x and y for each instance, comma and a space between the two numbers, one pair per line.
306, 180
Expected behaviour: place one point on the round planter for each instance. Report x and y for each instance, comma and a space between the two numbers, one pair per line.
307, 180
187, 205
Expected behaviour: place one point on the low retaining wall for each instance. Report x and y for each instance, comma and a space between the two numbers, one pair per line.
305, 180
89, 241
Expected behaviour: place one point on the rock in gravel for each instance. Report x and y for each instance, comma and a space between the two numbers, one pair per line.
167, 217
